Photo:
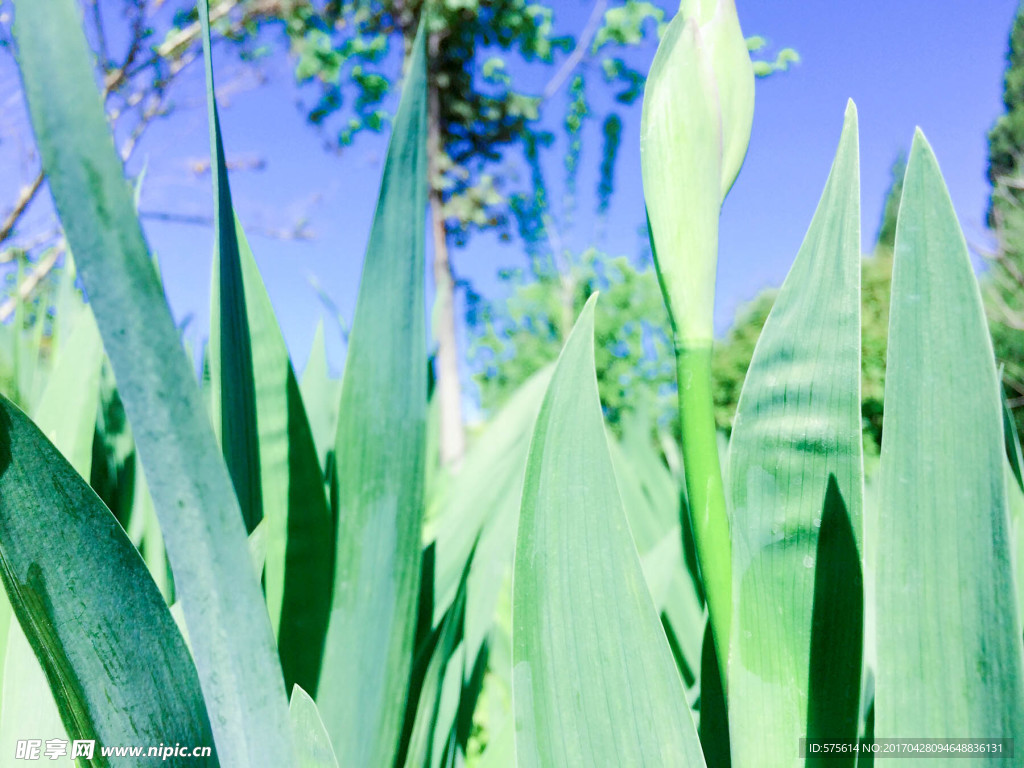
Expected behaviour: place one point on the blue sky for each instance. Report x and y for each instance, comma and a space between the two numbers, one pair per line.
936, 64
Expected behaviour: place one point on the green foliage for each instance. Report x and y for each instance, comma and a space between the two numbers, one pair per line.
1007, 135
795, 468
1004, 286
379, 451
943, 456
263, 430
584, 626
192, 493
733, 353
517, 336
603, 635
624, 24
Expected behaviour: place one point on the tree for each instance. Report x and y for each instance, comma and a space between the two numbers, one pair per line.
1006, 138
477, 112
633, 347
1004, 282
480, 115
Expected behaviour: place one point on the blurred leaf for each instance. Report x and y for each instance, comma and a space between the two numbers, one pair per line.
424, 733
949, 634
480, 506
379, 453
66, 413
28, 705
594, 681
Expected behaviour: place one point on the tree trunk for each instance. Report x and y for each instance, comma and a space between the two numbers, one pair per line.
448, 388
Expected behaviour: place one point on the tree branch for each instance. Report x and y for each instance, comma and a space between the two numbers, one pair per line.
25, 198
584, 41
30, 283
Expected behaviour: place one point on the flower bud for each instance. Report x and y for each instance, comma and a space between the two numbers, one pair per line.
697, 112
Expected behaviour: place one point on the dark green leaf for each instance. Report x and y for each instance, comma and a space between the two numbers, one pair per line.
94, 617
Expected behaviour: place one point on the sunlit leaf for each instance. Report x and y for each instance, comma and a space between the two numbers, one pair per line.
594, 681
949, 634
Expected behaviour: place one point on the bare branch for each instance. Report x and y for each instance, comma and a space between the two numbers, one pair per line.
298, 231
574, 59
25, 198
30, 283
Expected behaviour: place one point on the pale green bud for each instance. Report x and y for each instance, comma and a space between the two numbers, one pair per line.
697, 112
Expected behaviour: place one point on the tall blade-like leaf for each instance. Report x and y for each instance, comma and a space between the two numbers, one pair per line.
594, 681
96, 621
320, 395
424, 731
379, 454
797, 425
949, 635
191, 489
256, 398
232, 381
480, 507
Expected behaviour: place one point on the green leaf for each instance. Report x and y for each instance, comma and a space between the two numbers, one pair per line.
798, 425
949, 634
1011, 439
289, 486
594, 681
96, 621
500, 752
232, 378
320, 395
480, 506
66, 414
257, 402
423, 737
380, 456
651, 502
312, 744
191, 489
443, 743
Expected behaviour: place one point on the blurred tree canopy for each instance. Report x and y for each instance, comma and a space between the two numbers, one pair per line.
493, 67
634, 357
1004, 284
